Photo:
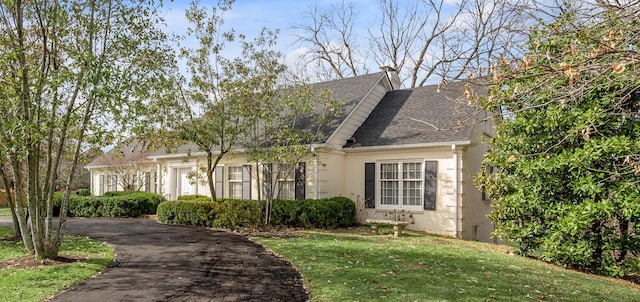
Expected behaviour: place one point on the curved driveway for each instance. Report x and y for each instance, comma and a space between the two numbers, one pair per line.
157, 262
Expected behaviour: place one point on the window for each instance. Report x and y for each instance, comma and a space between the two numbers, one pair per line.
235, 182
285, 181
150, 181
401, 184
412, 184
286, 184
112, 183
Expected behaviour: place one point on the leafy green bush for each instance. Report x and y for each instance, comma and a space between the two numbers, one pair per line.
190, 212
83, 192
193, 197
324, 213
232, 213
81, 206
115, 193
147, 202
238, 213
120, 206
129, 205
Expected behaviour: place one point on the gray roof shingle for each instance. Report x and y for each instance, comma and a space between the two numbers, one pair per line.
428, 114
349, 92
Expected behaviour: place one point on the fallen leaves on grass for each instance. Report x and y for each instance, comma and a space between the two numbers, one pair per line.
31, 262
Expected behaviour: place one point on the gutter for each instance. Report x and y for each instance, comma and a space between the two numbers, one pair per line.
316, 174
406, 146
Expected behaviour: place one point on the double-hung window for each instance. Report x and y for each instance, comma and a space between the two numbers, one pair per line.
401, 184
235, 182
112, 183
286, 184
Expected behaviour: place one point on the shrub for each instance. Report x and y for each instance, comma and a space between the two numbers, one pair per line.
191, 212
115, 193
232, 213
288, 212
83, 192
147, 202
129, 205
81, 206
120, 206
238, 213
193, 197
325, 213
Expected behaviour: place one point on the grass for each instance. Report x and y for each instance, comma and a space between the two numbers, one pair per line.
36, 284
5, 211
354, 265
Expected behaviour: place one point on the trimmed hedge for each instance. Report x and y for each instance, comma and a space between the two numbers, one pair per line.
83, 192
191, 212
232, 213
334, 212
194, 197
129, 205
115, 193
239, 213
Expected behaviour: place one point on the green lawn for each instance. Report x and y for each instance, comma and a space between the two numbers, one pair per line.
36, 284
354, 265
5, 212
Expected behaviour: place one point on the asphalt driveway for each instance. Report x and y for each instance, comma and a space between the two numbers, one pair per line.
157, 262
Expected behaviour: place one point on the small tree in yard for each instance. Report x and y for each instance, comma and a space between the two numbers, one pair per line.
70, 71
284, 132
567, 152
130, 169
220, 89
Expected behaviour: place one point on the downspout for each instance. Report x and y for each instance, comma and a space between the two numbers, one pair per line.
455, 190
316, 173
158, 177
91, 182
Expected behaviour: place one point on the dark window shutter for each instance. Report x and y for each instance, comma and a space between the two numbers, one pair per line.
370, 185
101, 185
267, 180
430, 184
246, 182
300, 180
147, 182
219, 182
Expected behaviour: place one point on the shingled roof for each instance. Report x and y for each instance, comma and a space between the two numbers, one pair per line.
127, 151
429, 114
349, 92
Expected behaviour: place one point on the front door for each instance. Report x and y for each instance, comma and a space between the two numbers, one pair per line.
184, 183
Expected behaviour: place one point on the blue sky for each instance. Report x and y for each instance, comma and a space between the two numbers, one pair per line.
250, 16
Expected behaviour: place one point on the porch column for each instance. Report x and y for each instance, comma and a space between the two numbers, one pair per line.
158, 184
170, 183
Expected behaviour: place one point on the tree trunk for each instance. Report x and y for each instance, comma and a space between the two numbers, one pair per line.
624, 238
10, 201
20, 211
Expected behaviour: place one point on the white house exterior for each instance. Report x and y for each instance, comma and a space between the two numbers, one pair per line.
406, 154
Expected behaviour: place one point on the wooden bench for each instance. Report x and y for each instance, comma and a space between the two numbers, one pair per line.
397, 225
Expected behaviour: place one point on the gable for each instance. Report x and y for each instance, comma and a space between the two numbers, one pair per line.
352, 93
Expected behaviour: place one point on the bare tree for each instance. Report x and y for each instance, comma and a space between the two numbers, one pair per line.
128, 170
334, 51
426, 41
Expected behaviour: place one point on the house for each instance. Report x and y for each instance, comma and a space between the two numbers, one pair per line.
404, 154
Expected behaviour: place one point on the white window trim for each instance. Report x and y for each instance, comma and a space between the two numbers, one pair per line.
400, 205
289, 179
233, 181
